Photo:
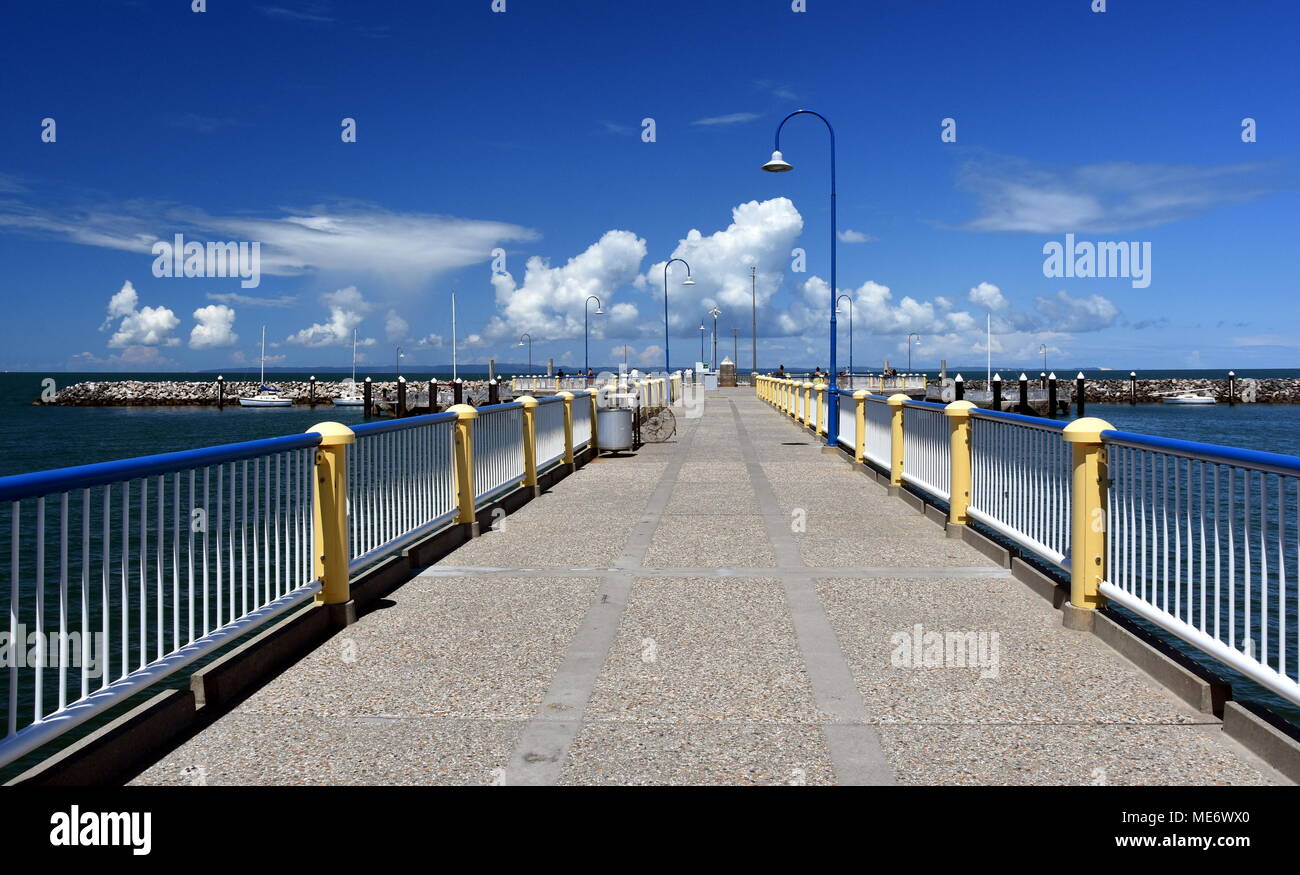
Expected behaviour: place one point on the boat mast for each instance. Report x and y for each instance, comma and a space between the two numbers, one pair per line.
262, 382
453, 334
354, 356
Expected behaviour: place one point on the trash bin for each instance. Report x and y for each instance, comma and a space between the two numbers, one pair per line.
614, 428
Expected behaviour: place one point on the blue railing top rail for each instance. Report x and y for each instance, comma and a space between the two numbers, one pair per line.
505, 405
1019, 418
366, 429
58, 480
1275, 463
925, 405
552, 399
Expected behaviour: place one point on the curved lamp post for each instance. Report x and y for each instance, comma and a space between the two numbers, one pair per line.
530, 350
778, 164
686, 282
702, 330
848, 298
586, 365
909, 349
713, 363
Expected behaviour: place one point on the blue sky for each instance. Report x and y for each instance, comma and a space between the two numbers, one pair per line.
523, 131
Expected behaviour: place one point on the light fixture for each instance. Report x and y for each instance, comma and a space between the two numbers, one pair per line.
778, 164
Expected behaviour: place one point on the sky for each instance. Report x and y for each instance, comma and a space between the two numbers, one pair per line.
377, 157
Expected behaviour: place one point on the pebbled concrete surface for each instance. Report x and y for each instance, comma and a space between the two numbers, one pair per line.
721, 609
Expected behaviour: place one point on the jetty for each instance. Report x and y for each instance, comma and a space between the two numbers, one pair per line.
803, 587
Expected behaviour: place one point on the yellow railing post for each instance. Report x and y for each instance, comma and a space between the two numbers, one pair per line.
1087, 516
530, 439
595, 444
896, 403
860, 413
958, 413
820, 413
808, 419
465, 416
568, 427
329, 512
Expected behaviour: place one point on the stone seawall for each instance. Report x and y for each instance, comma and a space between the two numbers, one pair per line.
1282, 390
168, 393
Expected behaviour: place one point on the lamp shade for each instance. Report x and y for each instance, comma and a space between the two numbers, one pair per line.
778, 164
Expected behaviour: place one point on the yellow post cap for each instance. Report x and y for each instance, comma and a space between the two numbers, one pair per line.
1086, 431
464, 411
899, 399
564, 394
526, 400
333, 434
860, 394
959, 408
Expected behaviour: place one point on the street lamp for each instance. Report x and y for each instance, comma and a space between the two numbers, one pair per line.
848, 298
715, 313
400, 356
753, 315
586, 365
909, 349
530, 350
778, 164
735, 344
686, 282
1042, 348
702, 330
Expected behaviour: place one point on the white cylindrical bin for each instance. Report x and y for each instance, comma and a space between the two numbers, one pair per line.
614, 428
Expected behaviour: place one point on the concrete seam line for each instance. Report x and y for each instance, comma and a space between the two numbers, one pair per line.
738, 572
854, 745
544, 744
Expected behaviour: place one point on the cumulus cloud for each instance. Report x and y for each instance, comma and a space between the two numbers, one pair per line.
848, 235
549, 303
215, 328
347, 308
761, 235
139, 326
989, 297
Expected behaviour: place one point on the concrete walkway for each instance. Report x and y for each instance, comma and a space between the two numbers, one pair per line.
730, 608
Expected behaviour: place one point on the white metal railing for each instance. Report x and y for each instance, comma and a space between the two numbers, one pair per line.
881, 383
498, 448
549, 423
926, 448
549, 384
1020, 481
879, 443
848, 423
1203, 542
125, 572
401, 483
582, 424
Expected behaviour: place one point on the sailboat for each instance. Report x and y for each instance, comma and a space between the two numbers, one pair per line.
350, 397
266, 396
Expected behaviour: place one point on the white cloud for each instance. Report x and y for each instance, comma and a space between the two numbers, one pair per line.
146, 326
989, 297
215, 328
405, 250
735, 118
848, 235
1066, 314
549, 304
761, 234
347, 308
1115, 196
251, 300
395, 327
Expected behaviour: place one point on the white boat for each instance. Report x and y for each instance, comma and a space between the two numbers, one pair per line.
266, 396
1187, 398
350, 396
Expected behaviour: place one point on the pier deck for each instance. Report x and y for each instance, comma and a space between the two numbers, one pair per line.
660, 619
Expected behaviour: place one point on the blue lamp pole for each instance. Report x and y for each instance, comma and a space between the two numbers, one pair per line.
586, 364
687, 282
778, 164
